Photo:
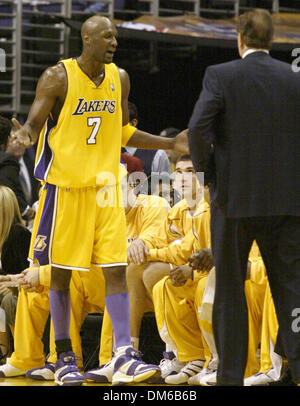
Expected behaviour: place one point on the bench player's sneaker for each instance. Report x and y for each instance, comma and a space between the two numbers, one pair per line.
129, 369
9, 371
102, 374
44, 373
66, 370
190, 369
170, 365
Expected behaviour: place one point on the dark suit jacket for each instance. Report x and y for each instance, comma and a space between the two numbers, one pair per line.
9, 176
249, 110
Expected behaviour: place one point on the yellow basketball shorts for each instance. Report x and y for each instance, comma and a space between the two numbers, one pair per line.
71, 231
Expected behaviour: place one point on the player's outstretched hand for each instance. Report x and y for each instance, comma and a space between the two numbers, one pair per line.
20, 135
181, 143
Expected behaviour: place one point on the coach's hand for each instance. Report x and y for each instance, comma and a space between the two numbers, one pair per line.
137, 252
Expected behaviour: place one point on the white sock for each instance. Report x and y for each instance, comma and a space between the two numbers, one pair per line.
135, 341
121, 350
169, 348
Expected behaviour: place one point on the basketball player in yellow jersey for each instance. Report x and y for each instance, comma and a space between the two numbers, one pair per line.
82, 106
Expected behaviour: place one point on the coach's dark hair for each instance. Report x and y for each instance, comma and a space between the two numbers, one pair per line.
5, 128
256, 28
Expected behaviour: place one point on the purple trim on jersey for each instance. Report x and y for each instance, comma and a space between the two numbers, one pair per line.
43, 237
43, 164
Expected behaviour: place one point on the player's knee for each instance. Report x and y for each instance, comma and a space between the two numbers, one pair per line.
115, 279
60, 278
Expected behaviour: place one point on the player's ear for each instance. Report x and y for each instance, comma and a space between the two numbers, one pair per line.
86, 39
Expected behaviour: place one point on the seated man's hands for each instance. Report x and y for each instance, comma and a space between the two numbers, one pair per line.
180, 274
31, 280
202, 260
137, 252
9, 281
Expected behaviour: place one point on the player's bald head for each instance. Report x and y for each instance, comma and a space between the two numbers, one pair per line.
94, 25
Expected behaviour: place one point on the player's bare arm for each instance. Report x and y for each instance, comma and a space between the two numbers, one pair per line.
142, 139
50, 94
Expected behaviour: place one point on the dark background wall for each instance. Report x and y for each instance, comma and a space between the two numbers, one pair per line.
166, 92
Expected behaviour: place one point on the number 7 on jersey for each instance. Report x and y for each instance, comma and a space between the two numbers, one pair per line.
94, 122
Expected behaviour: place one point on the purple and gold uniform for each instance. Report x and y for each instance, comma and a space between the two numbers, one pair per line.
78, 157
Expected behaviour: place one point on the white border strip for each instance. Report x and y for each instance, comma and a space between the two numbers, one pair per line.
43, 149
70, 267
52, 225
110, 265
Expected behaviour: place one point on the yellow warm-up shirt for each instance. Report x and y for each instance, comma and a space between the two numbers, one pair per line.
176, 225
197, 228
86, 140
145, 217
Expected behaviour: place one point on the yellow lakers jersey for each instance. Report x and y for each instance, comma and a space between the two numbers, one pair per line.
85, 142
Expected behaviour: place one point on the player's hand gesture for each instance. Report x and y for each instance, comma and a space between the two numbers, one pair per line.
20, 135
181, 143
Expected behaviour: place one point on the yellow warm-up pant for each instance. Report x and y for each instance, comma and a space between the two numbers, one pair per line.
87, 292
255, 295
268, 358
106, 340
176, 318
185, 315
188, 349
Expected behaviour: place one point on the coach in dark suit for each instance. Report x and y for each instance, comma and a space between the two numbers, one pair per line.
246, 124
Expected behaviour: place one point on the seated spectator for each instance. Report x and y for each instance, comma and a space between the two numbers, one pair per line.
14, 247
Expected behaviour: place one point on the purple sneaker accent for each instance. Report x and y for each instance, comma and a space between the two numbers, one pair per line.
66, 370
169, 355
44, 373
129, 368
